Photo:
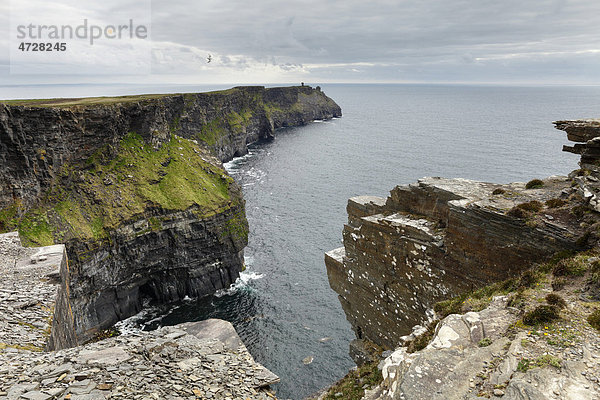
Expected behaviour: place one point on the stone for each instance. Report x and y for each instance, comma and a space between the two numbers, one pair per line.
110, 356
431, 240
307, 360
36, 395
214, 329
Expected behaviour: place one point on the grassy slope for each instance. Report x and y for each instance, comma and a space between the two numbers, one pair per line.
89, 203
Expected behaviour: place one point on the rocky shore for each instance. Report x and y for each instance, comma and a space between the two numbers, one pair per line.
193, 360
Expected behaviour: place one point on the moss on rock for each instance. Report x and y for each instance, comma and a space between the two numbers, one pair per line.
89, 203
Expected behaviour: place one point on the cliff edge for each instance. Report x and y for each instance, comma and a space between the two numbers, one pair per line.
134, 187
463, 289
200, 359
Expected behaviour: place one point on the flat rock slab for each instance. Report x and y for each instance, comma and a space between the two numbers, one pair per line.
214, 329
110, 356
183, 361
27, 294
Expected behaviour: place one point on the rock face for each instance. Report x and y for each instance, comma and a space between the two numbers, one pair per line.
435, 239
475, 355
135, 189
586, 134
201, 359
38, 137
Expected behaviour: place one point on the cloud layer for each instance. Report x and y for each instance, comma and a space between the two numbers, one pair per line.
538, 41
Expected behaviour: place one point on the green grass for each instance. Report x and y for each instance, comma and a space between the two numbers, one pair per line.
218, 128
541, 315
556, 300
9, 216
526, 364
574, 266
236, 227
36, 230
479, 299
110, 192
93, 101
533, 206
238, 122
595, 272
534, 184
594, 319
421, 341
212, 132
155, 224
525, 210
555, 203
351, 386
87, 101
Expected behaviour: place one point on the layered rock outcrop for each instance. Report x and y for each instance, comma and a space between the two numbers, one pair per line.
135, 189
586, 134
440, 237
481, 355
435, 239
38, 137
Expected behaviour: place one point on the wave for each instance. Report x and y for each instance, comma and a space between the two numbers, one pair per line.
241, 283
147, 316
232, 166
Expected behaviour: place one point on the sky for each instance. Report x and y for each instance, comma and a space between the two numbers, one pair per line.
267, 41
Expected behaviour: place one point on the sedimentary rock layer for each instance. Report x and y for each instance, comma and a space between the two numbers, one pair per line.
38, 137
134, 188
437, 238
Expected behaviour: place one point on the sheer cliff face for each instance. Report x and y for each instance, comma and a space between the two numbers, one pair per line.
435, 239
38, 137
135, 189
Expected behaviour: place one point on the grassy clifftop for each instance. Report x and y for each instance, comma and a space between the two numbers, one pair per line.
79, 168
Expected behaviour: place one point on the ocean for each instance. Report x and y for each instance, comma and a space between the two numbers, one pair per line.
296, 188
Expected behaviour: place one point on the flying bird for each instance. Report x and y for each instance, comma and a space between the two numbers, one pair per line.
209, 59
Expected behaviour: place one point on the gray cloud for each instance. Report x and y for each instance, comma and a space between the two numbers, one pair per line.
555, 41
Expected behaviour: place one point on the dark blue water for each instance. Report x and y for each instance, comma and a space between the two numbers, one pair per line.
296, 188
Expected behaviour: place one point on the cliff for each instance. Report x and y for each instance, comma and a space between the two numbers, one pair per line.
39, 137
197, 359
134, 188
480, 289
437, 238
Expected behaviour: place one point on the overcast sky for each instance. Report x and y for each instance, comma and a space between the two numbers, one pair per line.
267, 41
